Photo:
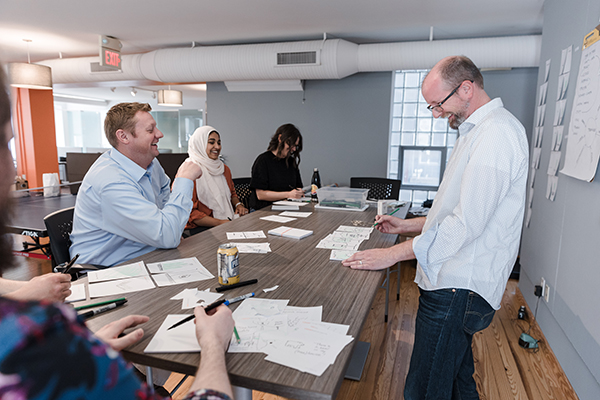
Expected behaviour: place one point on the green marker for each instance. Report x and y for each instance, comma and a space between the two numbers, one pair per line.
98, 304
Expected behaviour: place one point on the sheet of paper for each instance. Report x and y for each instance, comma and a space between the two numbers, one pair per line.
245, 235
306, 351
77, 293
264, 307
334, 242
355, 229
200, 298
122, 272
293, 207
289, 203
277, 218
178, 277
261, 248
177, 340
298, 214
184, 264
121, 286
340, 255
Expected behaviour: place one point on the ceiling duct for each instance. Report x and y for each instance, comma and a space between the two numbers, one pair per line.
333, 59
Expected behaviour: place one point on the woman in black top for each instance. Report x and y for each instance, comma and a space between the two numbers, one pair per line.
275, 173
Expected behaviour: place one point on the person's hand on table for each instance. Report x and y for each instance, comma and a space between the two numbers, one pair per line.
371, 259
109, 333
189, 170
53, 287
295, 194
215, 328
241, 210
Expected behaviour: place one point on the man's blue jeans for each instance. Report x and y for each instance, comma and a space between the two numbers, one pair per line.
441, 366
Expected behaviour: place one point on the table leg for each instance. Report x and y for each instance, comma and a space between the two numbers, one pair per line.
240, 393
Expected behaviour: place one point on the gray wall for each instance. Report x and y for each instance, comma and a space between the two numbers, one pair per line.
344, 124
561, 243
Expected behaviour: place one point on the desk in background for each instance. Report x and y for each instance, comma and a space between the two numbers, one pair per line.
305, 276
28, 220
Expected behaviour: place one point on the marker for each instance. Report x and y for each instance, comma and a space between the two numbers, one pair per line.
211, 306
70, 264
99, 304
235, 285
392, 213
100, 310
237, 336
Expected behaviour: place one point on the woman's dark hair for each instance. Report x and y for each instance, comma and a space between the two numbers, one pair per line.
289, 134
6, 255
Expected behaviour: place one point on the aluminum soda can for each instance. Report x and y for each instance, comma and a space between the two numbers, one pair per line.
228, 264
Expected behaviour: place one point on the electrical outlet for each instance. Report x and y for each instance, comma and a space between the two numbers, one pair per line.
547, 293
543, 285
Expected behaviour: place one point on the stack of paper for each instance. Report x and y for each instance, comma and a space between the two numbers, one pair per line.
277, 218
245, 235
179, 271
292, 233
261, 248
118, 280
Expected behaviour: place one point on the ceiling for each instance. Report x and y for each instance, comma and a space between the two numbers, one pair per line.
71, 28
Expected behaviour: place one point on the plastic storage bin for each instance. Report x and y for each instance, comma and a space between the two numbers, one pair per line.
342, 198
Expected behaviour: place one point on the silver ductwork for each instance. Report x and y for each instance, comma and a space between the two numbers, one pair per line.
320, 59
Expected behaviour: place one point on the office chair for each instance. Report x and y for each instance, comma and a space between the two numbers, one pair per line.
59, 225
381, 189
242, 188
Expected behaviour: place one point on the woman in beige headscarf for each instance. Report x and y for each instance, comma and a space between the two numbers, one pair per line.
215, 200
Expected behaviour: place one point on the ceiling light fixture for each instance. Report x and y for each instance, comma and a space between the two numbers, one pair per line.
170, 98
28, 75
133, 91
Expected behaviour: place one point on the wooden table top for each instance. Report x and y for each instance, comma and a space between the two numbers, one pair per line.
305, 276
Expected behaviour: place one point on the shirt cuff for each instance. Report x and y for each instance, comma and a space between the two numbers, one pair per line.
183, 185
421, 247
207, 394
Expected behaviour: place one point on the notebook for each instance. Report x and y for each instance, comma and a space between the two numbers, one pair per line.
293, 233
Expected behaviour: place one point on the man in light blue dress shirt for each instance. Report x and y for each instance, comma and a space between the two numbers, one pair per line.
469, 241
125, 206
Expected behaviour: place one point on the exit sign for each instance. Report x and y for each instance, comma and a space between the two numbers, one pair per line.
110, 58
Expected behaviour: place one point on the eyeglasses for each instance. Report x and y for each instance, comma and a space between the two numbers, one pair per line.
438, 106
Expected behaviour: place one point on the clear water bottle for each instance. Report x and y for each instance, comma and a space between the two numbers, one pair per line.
315, 183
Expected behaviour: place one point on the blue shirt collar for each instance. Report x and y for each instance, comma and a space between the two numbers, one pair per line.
130, 167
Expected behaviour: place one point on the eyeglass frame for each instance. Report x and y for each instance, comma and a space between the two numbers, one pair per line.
439, 105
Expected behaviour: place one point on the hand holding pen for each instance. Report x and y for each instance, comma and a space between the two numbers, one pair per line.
295, 193
212, 306
214, 330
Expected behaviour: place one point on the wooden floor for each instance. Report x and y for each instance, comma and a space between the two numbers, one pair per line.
503, 370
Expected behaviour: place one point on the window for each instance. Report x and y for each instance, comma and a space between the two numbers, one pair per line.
419, 145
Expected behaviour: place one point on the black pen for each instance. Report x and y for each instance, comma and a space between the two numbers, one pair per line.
100, 310
71, 263
211, 306
191, 317
236, 285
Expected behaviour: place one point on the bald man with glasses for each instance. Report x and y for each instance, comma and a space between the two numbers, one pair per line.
470, 238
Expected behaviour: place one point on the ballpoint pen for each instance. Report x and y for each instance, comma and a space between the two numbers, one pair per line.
211, 306
392, 213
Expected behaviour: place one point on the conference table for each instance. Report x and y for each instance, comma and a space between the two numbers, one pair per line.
305, 276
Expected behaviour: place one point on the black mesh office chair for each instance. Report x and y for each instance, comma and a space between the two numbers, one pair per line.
59, 225
382, 189
242, 188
